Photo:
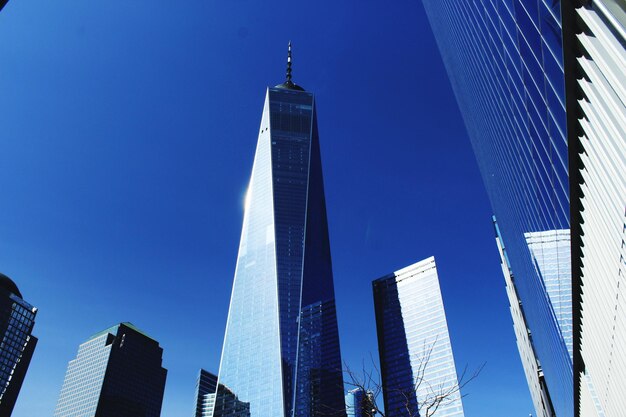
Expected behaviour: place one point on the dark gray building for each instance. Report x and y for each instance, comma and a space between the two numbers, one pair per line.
117, 373
205, 393
17, 319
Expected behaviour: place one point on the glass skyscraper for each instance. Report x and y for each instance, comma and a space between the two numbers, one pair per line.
117, 373
416, 360
359, 403
505, 62
281, 347
532, 366
17, 319
551, 254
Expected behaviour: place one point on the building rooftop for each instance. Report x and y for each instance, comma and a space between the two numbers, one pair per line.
8, 284
113, 330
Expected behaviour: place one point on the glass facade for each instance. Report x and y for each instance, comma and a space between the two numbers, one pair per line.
416, 360
117, 373
282, 325
17, 319
359, 403
532, 368
505, 62
206, 387
551, 254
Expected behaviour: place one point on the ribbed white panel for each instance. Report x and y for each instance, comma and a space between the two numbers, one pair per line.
603, 324
589, 405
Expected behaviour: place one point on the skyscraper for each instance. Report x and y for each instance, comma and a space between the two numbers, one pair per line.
541, 87
17, 319
505, 63
551, 254
117, 373
416, 361
532, 367
206, 387
281, 348
359, 403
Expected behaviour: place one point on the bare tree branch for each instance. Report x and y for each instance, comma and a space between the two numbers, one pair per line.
425, 398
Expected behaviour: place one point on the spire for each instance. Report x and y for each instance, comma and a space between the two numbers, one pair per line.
289, 84
289, 63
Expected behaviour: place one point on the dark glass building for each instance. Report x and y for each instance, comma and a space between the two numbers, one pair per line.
505, 62
117, 373
17, 319
206, 387
281, 348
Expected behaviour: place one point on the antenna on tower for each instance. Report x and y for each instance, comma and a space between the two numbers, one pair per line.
289, 63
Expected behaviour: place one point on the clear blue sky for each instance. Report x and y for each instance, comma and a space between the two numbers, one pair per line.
127, 132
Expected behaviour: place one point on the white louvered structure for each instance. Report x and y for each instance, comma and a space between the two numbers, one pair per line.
602, 388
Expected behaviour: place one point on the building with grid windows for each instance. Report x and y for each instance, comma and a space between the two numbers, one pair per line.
359, 403
17, 319
505, 63
416, 360
117, 373
206, 388
541, 87
551, 254
532, 368
281, 348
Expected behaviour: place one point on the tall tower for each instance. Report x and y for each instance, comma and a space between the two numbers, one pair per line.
17, 319
416, 361
281, 348
117, 373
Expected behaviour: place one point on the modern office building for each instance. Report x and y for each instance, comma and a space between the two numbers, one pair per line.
532, 367
505, 63
551, 255
227, 404
416, 360
281, 347
206, 387
541, 87
594, 38
360, 403
117, 373
17, 319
